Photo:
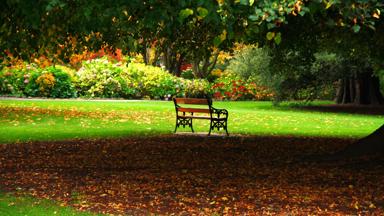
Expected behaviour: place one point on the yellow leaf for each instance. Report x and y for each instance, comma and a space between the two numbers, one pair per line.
356, 206
223, 35
270, 35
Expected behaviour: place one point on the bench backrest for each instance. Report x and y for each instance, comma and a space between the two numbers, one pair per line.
195, 101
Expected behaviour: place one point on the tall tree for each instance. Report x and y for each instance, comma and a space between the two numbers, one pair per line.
361, 20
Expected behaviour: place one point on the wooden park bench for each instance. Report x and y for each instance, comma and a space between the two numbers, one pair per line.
184, 114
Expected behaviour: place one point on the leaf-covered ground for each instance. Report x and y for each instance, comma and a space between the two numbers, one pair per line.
196, 175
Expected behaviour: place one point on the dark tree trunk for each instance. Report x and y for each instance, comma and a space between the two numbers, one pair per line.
173, 61
361, 89
371, 145
340, 91
179, 62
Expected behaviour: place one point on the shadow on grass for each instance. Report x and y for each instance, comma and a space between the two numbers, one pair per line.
180, 174
351, 109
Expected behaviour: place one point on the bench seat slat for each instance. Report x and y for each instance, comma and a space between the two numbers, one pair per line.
194, 117
194, 110
199, 117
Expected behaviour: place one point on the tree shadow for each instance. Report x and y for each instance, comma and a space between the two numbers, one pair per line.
180, 174
350, 109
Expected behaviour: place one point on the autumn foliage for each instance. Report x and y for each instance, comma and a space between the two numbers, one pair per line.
229, 89
114, 56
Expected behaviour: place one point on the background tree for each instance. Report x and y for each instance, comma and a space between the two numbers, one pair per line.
249, 62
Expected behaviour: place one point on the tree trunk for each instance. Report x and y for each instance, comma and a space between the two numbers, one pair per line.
173, 61
371, 145
364, 88
340, 91
177, 71
361, 89
202, 66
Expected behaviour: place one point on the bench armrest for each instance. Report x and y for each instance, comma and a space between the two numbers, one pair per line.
220, 112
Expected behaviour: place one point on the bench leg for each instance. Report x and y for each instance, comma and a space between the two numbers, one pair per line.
184, 122
177, 125
210, 128
190, 124
225, 127
218, 124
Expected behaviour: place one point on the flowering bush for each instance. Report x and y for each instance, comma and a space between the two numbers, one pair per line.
107, 79
157, 83
198, 88
10, 80
64, 87
46, 82
98, 78
102, 78
230, 87
153, 82
35, 82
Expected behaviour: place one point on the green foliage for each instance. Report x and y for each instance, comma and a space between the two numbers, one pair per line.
187, 74
36, 82
152, 81
8, 81
187, 28
62, 86
249, 62
98, 78
101, 78
290, 74
197, 88
327, 66
185, 13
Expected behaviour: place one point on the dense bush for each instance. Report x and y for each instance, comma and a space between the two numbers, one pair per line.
110, 79
198, 88
9, 82
37, 82
101, 78
152, 82
54, 82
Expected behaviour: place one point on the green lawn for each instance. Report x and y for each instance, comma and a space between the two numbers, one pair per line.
26, 120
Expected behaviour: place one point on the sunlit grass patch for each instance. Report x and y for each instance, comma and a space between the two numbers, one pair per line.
56, 120
22, 205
